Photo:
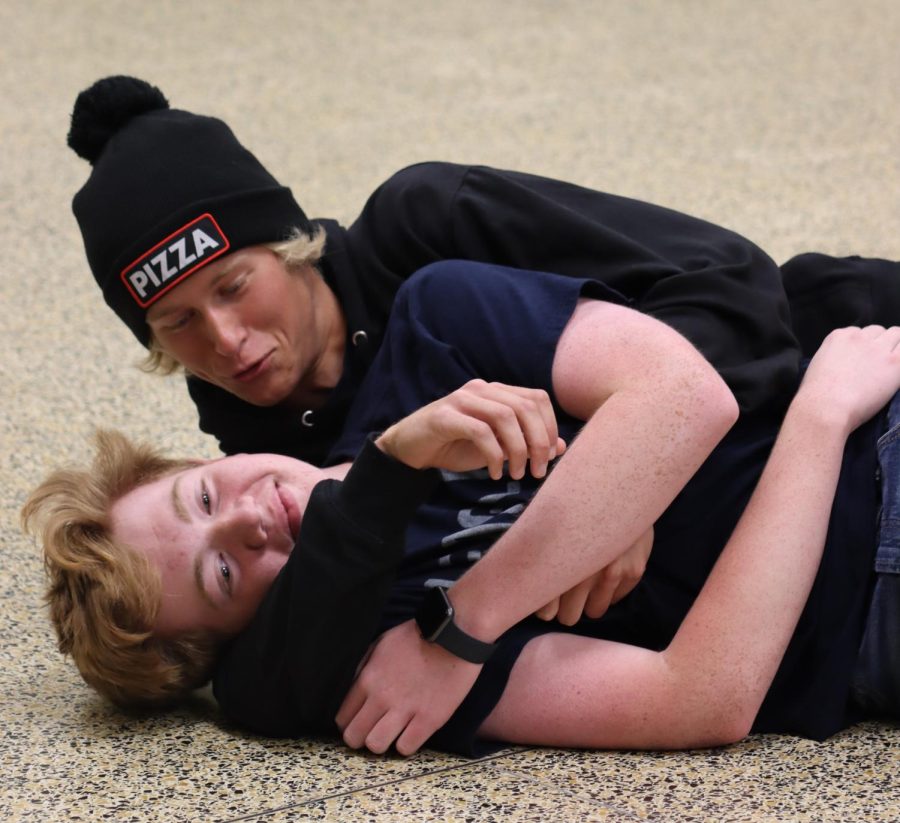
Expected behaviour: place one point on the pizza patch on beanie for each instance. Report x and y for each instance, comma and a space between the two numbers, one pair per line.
171, 260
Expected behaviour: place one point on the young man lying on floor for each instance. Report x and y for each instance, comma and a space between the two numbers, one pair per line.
657, 670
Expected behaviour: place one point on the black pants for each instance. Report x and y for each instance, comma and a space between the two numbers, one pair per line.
827, 293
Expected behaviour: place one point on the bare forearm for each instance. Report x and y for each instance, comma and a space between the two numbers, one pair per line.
706, 688
726, 653
762, 579
632, 458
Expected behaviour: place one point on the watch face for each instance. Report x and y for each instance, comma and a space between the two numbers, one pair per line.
434, 613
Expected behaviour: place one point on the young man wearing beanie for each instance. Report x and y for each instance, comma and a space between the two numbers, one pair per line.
172, 193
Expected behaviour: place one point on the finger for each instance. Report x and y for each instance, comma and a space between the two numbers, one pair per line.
353, 702
624, 587
466, 426
571, 604
544, 407
533, 426
417, 731
484, 417
549, 611
601, 594
365, 659
892, 337
386, 731
512, 435
886, 338
502, 445
361, 725
538, 423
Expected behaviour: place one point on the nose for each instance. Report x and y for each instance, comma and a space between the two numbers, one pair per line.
226, 332
241, 527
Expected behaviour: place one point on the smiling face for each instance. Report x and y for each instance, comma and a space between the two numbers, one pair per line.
250, 326
218, 533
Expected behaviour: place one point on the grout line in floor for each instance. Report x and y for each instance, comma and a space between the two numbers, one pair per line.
347, 792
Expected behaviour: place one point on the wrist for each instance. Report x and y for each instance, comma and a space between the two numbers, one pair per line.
384, 441
390, 442
438, 623
476, 616
824, 415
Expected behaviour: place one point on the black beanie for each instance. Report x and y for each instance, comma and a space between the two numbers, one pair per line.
169, 192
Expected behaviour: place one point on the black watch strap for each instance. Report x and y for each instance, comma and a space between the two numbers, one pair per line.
463, 645
435, 619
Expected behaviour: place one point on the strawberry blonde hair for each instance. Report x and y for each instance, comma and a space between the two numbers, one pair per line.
103, 597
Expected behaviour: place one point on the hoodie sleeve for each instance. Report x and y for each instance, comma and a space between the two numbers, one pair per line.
288, 672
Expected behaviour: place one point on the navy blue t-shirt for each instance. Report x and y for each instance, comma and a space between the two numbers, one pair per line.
450, 324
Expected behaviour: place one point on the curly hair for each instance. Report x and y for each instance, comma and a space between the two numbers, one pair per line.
299, 250
103, 598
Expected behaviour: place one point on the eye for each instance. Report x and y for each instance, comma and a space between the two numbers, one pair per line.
224, 572
234, 286
204, 499
179, 322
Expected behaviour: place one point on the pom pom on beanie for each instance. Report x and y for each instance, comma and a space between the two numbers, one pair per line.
104, 108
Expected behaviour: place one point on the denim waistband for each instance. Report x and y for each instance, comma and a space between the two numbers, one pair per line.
887, 557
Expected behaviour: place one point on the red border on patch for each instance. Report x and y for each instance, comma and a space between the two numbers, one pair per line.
169, 286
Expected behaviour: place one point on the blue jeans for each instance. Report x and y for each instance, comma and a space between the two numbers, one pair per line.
876, 680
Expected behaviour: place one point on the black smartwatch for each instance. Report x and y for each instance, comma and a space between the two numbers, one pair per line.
435, 619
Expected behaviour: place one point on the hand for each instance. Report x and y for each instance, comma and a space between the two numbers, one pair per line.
594, 596
854, 373
406, 690
480, 424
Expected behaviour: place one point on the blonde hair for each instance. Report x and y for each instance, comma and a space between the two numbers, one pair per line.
300, 249
103, 597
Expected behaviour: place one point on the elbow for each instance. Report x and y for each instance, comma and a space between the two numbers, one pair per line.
739, 728
724, 718
713, 728
726, 730
727, 409
711, 709
718, 406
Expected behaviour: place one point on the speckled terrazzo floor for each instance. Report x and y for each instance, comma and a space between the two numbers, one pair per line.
781, 120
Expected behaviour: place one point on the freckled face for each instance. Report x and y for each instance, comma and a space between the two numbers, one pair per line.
218, 533
249, 325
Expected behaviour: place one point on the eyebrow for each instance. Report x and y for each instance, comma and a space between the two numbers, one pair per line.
177, 503
182, 514
198, 581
